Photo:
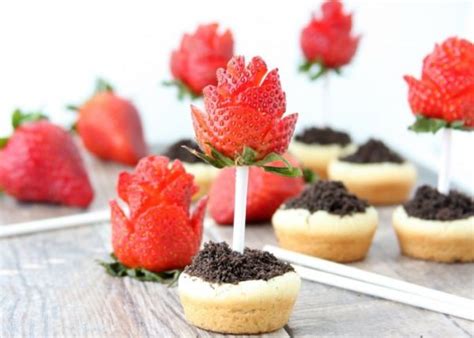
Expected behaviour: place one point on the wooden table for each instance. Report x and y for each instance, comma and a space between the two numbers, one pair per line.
51, 285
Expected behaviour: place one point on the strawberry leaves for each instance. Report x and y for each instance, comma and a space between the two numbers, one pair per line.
316, 69
3, 142
247, 158
432, 125
183, 90
102, 86
19, 117
117, 269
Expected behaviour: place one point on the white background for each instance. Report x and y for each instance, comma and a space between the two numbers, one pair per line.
52, 51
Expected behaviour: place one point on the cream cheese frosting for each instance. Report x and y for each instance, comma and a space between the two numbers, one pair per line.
371, 172
301, 220
325, 152
454, 228
197, 288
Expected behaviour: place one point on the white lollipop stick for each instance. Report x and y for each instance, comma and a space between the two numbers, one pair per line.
240, 207
444, 174
326, 101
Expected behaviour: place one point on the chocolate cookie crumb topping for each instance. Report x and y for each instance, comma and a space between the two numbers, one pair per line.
323, 136
330, 196
177, 152
218, 263
373, 151
430, 204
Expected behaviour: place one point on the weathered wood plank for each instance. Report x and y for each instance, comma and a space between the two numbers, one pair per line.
50, 284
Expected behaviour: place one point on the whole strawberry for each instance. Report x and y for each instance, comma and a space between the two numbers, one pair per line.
160, 233
110, 127
266, 192
200, 54
243, 122
446, 88
327, 40
41, 163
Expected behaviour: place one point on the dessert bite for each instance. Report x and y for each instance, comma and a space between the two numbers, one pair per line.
238, 293
435, 226
317, 147
326, 221
438, 224
375, 173
204, 174
244, 125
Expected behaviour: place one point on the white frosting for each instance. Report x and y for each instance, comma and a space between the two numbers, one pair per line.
371, 172
463, 228
201, 171
320, 153
195, 287
301, 220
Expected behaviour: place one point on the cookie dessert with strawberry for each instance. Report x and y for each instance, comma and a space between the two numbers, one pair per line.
266, 192
204, 173
40, 162
231, 292
110, 126
328, 44
326, 221
375, 173
200, 54
244, 124
316, 147
159, 234
438, 223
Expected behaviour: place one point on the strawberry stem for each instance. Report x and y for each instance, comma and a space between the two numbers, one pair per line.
103, 86
183, 90
19, 117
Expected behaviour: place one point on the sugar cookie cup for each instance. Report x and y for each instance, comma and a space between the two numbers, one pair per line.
249, 307
321, 234
440, 241
331, 234
214, 299
379, 183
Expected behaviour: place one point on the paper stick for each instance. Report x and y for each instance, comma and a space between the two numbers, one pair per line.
444, 174
386, 293
57, 223
240, 207
326, 101
368, 277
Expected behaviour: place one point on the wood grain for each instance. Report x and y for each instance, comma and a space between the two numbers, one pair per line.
51, 285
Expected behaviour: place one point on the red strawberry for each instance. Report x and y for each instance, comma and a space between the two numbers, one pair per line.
328, 39
110, 127
266, 192
446, 88
41, 163
160, 234
199, 56
244, 110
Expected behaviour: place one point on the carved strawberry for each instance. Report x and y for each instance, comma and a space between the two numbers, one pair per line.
160, 233
444, 96
327, 40
200, 54
243, 123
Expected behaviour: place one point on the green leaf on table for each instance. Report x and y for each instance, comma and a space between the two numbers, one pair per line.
117, 269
